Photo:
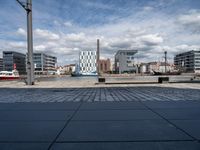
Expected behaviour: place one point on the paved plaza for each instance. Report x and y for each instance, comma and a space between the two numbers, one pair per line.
101, 118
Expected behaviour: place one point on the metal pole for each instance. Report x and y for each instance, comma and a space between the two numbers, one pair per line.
165, 61
98, 68
30, 65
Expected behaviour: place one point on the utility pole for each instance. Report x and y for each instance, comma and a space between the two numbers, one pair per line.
165, 61
30, 66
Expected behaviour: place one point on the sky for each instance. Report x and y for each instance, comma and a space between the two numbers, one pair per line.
64, 27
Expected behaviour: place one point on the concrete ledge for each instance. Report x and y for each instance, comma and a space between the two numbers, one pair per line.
131, 83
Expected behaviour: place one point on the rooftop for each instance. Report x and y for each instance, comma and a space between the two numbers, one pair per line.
132, 51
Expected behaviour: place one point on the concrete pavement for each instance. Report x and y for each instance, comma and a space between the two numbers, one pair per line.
100, 118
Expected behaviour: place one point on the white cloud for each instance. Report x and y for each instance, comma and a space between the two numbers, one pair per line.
148, 36
148, 8
185, 47
45, 35
120, 44
75, 37
151, 39
21, 31
68, 24
17, 45
98, 5
57, 23
40, 47
191, 20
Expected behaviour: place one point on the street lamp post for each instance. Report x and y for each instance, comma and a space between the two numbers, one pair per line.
30, 66
165, 61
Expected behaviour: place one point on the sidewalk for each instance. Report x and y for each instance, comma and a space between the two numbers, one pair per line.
92, 83
100, 118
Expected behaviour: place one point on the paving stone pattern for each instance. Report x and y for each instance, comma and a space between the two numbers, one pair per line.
125, 118
98, 94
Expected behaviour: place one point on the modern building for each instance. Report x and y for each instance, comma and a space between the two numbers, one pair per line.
188, 61
70, 68
104, 65
1, 64
60, 70
13, 59
87, 62
159, 67
125, 61
65, 70
150, 67
44, 64
144, 68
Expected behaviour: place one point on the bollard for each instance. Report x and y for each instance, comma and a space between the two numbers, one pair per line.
163, 79
101, 80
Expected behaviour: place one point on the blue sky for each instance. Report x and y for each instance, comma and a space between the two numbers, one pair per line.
64, 27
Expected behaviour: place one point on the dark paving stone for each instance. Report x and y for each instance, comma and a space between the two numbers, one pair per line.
34, 115
186, 145
115, 115
121, 131
112, 105
173, 104
24, 146
145, 131
43, 131
40, 106
190, 126
185, 113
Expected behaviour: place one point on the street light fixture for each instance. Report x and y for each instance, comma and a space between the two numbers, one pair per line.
30, 66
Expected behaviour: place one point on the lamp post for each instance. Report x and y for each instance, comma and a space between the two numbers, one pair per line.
98, 57
30, 66
165, 61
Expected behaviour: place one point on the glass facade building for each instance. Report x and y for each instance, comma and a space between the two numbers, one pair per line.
1, 64
188, 61
11, 58
87, 62
44, 64
125, 61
